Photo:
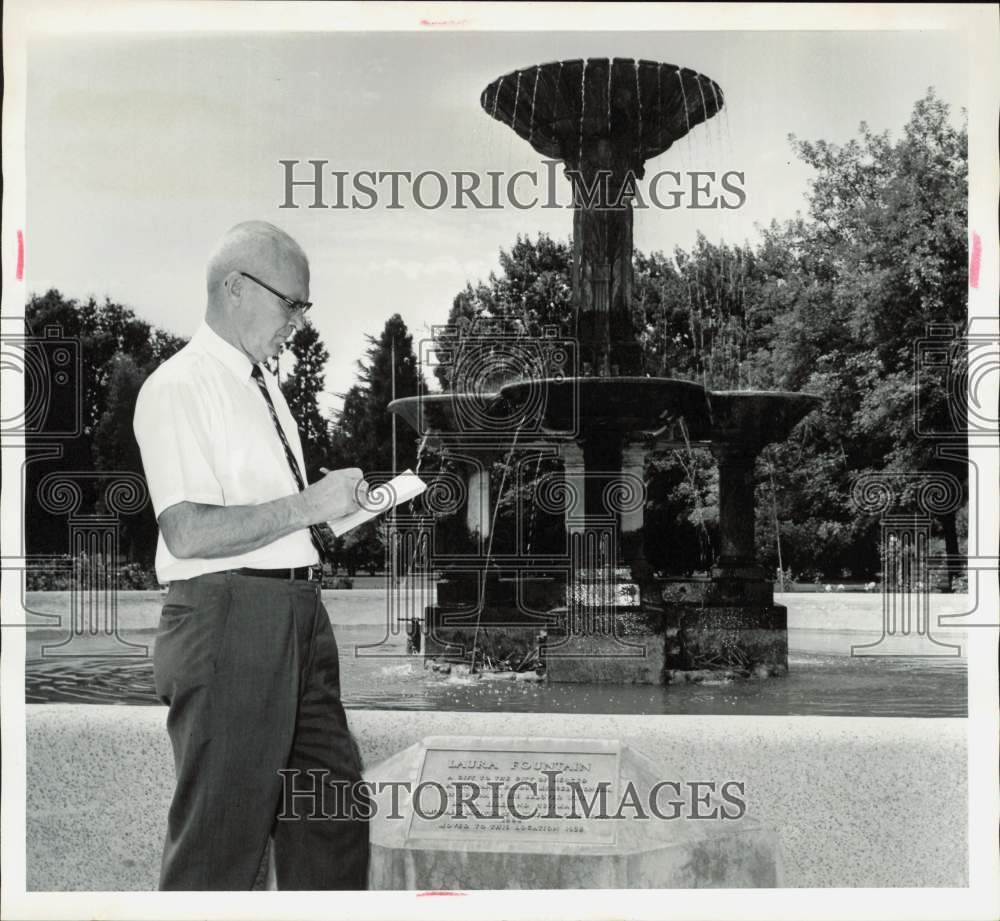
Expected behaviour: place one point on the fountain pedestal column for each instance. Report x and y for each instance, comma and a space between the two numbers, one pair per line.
729, 621
601, 174
737, 575
736, 506
604, 637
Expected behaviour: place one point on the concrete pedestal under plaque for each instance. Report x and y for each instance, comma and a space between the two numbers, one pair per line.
468, 812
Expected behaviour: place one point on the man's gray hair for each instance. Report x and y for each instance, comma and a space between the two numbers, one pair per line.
251, 246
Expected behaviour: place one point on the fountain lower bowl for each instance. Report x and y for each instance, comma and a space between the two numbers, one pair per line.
580, 405
754, 418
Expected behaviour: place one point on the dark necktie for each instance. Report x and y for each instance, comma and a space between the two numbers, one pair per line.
321, 535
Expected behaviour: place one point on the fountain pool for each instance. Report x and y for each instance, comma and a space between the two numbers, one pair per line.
823, 679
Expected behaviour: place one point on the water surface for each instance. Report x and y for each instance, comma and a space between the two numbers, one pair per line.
384, 677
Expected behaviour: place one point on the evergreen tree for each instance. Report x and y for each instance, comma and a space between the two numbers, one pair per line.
375, 376
362, 434
302, 388
115, 448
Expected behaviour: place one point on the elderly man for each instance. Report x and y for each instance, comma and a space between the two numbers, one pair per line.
245, 656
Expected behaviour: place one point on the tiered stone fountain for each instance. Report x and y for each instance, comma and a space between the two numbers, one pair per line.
605, 614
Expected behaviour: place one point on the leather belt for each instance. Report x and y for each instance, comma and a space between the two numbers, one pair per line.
300, 573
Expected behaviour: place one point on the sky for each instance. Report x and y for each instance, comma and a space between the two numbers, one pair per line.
142, 149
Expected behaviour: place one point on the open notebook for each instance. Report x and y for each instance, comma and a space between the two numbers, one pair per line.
402, 488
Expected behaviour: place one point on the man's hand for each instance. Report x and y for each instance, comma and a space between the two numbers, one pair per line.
191, 529
339, 493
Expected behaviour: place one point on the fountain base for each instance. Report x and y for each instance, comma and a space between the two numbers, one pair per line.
612, 632
744, 639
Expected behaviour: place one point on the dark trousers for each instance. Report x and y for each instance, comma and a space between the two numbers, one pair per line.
250, 671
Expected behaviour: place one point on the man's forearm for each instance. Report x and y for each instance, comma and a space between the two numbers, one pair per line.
191, 529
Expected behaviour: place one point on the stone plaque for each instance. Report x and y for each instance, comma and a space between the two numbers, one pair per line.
426, 835
518, 791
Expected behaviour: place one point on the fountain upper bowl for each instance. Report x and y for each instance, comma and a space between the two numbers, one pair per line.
643, 106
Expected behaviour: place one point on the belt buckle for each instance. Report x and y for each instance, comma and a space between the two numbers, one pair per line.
313, 573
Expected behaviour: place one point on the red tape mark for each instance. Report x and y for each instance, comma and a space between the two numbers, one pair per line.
19, 275
420, 895
974, 259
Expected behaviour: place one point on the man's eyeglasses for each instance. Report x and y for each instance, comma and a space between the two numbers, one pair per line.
293, 305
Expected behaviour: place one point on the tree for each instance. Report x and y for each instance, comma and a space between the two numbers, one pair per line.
101, 330
302, 388
115, 448
882, 256
533, 291
103, 334
363, 432
702, 316
391, 372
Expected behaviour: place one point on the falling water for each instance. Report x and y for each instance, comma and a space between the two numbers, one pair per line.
684, 100
743, 301
743, 280
704, 106
489, 545
736, 266
534, 508
706, 543
730, 218
583, 105
496, 96
611, 69
531, 115
517, 96
663, 120
729, 268
718, 121
420, 454
412, 569
774, 516
659, 95
699, 302
638, 99
684, 105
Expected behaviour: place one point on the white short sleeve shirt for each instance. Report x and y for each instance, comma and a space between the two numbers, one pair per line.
206, 436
